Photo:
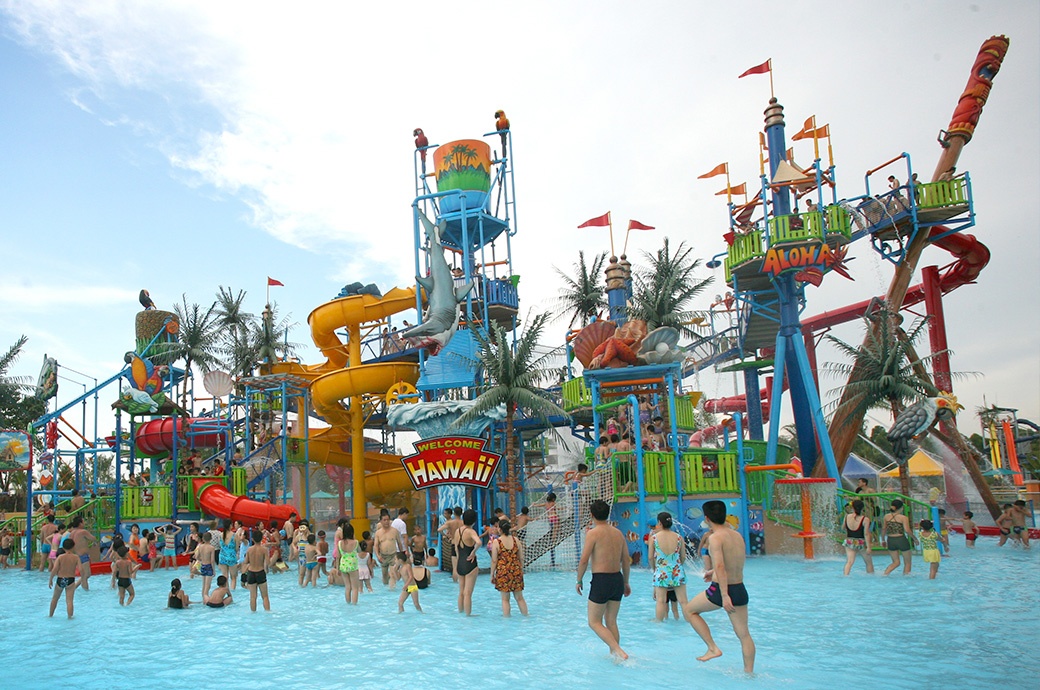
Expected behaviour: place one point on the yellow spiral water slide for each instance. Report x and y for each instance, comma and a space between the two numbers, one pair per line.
374, 474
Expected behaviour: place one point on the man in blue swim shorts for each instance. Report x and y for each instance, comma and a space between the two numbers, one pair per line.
726, 591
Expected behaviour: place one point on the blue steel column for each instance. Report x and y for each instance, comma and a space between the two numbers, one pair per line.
670, 383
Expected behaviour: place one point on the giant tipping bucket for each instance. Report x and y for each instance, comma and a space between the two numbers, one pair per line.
464, 165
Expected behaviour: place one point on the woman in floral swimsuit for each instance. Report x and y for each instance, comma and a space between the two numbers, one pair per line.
507, 568
669, 553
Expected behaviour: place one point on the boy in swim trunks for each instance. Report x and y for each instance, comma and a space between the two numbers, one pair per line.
5, 547
46, 532
971, 530
121, 571
418, 544
607, 552
82, 541
221, 596
408, 585
64, 570
310, 561
1004, 523
727, 591
323, 554
1018, 523
256, 572
206, 557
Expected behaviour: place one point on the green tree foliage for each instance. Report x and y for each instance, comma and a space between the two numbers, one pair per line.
582, 296
662, 291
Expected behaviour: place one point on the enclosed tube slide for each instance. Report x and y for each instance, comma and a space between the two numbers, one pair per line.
216, 500
155, 437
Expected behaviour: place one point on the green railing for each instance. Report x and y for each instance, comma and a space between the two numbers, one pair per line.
684, 413
576, 394
701, 472
839, 222
744, 249
940, 194
186, 489
239, 481
140, 502
877, 506
796, 227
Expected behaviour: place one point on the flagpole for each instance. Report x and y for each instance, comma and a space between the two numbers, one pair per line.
815, 139
625, 248
610, 225
729, 192
772, 94
268, 290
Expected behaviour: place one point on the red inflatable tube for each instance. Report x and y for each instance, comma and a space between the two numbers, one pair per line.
156, 436
216, 500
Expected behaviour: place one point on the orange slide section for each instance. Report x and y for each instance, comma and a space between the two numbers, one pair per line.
216, 500
334, 380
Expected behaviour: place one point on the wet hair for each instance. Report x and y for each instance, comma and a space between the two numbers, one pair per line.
599, 509
1006, 506
968, 514
364, 535
402, 556
321, 533
194, 526
1020, 504
715, 511
175, 586
78, 520
222, 581
896, 505
469, 518
348, 531
68, 544
550, 497
614, 438
50, 518
494, 521
257, 536
447, 511
364, 547
383, 512
926, 524
61, 526
857, 507
122, 551
863, 480
582, 467
457, 510
603, 439
433, 552
273, 525
942, 511
499, 511
665, 518
311, 539
402, 511
525, 510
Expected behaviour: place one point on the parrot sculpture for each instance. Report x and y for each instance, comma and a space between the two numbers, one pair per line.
502, 125
916, 420
421, 142
144, 376
145, 300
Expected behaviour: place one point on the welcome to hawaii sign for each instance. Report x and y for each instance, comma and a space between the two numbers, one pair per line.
451, 460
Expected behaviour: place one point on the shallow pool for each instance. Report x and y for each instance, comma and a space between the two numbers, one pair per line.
977, 625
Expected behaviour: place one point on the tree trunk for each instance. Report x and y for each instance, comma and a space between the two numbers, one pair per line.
904, 466
511, 474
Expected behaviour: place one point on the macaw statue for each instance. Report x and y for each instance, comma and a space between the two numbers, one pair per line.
916, 420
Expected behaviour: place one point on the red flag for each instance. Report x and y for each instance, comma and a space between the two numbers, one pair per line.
720, 169
636, 225
758, 69
739, 189
597, 222
271, 281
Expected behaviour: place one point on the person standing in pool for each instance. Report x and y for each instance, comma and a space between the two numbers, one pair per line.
83, 540
122, 569
46, 532
256, 573
1018, 522
930, 547
467, 541
388, 542
727, 590
507, 568
229, 552
668, 552
205, 556
896, 531
65, 571
408, 584
349, 565
857, 538
447, 531
607, 552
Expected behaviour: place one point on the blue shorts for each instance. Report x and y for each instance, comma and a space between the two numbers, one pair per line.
170, 552
84, 558
45, 548
206, 570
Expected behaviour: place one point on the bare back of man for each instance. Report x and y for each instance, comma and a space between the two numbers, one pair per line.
256, 573
726, 591
606, 552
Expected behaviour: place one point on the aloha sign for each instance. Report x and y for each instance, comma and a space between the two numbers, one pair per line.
799, 257
451, 460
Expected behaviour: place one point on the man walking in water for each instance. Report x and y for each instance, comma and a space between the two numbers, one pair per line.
605, 547
726, 548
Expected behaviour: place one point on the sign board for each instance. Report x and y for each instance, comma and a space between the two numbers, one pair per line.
15, 450
796, 258
451, 460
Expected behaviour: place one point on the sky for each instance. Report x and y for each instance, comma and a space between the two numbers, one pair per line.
183, 146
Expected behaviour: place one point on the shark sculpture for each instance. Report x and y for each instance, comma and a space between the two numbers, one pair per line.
441, 318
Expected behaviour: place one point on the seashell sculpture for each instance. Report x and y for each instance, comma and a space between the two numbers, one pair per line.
661, 346
619, 350
591, 337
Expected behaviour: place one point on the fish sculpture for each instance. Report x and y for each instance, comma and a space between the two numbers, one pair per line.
441, 318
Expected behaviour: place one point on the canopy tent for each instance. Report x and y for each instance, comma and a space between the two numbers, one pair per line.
921, 465
858, 468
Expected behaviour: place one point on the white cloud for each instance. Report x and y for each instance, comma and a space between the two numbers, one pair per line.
34, 296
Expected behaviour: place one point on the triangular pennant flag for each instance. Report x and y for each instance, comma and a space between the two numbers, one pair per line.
720, 169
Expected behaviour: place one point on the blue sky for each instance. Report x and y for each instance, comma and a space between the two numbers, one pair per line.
189, 145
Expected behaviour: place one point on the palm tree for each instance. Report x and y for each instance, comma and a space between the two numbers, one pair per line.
198, 339
234, 322
512, 377
663, 290
582, 295
270, 336
890, 372
13, 383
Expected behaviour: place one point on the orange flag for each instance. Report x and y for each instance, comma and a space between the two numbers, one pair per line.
739, 189
720, 169
818, 133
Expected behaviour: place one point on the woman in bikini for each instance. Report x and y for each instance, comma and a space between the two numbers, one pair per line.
467, 541
857, 538
896, 531
669, 553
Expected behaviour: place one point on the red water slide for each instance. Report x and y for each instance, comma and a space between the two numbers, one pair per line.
155, 437
216, 500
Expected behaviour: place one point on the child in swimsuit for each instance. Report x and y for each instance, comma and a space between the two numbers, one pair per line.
64, 571
408, 584
971, 530
310, 552
178, 598
5, 547
365, 567
930, 548
122, 569
221, 596
323, 553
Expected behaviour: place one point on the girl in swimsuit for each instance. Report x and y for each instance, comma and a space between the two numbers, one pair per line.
857, 538
228, 558
178, 598
669, 553
897, 534
365, 567
348, 565
467, 541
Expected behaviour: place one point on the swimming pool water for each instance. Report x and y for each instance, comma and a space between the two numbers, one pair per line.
976, 626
